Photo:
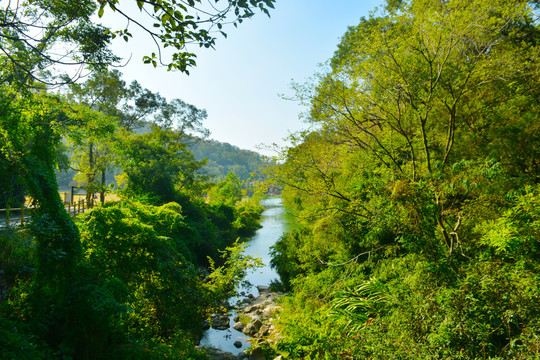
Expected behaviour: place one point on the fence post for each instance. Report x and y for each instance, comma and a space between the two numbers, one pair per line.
22, 215
7, 216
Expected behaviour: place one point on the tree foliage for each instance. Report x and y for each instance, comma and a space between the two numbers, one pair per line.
416, 172
39, 36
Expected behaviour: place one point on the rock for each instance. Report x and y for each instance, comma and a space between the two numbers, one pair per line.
264, 330
280, 357
238, 326
252, 308
250, 329
263, 288
236, 318
220, 322
238, 344
257, 354
206, 325
250, 296
243, 355
243, 293
217, 354
257, 324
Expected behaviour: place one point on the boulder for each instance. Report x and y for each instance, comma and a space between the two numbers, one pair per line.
264, 330
217, 354
257, 324
238, 326
220, 322
257, 354
263, 288
250, 329
238, 344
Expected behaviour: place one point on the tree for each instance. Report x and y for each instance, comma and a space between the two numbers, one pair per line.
38, 36
157, 164
419, 171
228, 192
30, 133
409, 91
178, 25
114, 105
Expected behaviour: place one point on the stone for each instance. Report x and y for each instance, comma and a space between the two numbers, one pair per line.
264, 330
250, 296
217, 354
236, 318
238, 326
257, 324
250, 329
238, 344
251, 308
257, 354
263, 288
220, 322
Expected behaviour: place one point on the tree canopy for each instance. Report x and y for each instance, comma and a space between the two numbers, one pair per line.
37, 38
422, 151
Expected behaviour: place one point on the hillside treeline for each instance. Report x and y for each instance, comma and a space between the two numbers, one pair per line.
416, 189
224, 158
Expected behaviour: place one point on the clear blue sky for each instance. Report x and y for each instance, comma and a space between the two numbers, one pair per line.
238, 83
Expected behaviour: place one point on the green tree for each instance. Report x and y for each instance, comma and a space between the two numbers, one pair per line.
157, 164
37, 36
31, 32
30, 129
227, 192
418, 172
118, 106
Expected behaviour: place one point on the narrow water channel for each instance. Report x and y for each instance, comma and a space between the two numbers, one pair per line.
274, 224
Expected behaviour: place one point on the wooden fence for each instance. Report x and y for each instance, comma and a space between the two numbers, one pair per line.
21, 216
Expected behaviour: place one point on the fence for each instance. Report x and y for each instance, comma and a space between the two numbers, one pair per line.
24, 214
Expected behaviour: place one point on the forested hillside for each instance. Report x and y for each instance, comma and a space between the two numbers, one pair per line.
224, 158
219, 160
416, 189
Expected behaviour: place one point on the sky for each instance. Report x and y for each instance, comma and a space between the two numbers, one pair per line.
240, 81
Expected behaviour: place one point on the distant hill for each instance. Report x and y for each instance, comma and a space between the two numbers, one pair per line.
224, 158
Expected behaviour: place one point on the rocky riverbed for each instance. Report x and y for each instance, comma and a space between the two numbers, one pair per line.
254, 318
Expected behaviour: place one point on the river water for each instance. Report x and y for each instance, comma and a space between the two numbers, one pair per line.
274, 224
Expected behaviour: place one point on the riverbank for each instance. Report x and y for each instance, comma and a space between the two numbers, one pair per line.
273, 225
254, 318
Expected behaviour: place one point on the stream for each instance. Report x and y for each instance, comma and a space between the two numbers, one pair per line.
274, 224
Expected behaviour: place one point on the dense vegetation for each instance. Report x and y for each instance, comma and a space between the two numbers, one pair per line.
133, 278
416, 190
224, 158
219, 159
127, 280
